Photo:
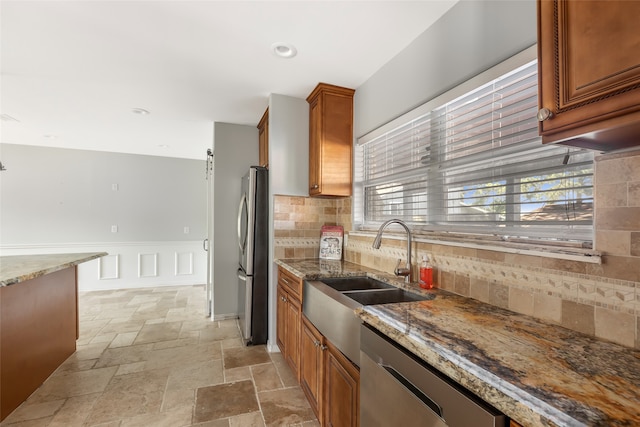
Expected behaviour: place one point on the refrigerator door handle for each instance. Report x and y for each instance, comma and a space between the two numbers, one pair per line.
242, 240
242, 276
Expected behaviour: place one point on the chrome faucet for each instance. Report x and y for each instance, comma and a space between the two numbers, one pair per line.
406, 271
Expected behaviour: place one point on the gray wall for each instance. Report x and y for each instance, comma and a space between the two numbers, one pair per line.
55, 195
235, 149
288, 173
470, 38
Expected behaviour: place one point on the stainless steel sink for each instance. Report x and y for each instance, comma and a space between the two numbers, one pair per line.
355, 283
384, 297
330, 305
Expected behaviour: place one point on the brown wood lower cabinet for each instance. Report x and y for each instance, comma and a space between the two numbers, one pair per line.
341, 390
330, 381
288, 334
288, 318
38, 331
312, 347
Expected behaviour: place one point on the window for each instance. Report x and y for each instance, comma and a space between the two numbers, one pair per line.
475, 164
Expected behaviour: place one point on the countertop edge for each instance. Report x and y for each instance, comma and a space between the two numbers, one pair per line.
506, 398
49, 267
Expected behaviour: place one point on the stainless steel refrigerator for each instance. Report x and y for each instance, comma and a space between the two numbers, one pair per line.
253, 243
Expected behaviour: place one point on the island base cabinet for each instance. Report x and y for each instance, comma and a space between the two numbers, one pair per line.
38, 328
341, 390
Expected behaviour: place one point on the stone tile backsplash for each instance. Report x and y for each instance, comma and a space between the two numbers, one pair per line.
601, 300
298, 220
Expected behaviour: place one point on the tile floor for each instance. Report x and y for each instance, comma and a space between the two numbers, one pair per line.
149, 357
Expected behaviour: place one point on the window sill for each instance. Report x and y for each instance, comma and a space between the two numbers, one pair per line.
561, 250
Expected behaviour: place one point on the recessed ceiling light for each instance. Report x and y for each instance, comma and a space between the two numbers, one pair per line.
50, 136
284, 50
140, 111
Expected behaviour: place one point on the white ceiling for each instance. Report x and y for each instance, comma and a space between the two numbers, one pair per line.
73, 70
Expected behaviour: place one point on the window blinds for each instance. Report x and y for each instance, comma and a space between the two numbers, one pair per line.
476, 164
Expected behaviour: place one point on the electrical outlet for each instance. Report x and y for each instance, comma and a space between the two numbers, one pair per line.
114, 228
114, 187
186, 230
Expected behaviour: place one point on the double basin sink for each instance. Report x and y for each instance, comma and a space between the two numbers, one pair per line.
330, 305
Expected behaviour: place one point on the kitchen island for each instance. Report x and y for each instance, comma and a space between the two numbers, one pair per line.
537, 373
38, 320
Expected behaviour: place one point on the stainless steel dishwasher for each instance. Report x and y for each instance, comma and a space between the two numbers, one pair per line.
398, 389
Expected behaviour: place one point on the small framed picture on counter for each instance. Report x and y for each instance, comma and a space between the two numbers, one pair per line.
331, 237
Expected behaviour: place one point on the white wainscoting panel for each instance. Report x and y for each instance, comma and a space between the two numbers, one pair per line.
184, 263
109, 267
130, 264
148, 265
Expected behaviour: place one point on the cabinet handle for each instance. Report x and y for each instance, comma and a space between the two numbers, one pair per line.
314, 186
323, 347
544, 114
316, 343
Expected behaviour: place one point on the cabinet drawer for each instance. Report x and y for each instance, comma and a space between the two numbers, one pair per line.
290, 282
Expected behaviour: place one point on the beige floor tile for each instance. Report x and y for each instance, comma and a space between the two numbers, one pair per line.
245, 356
29, 411
219, 334
266, 377
89, 351
130, 368
179, 417
124, 355
253, 419
284, 370
178, 398
68, 384
40, 422
225, 400
130, 395
158, 332
123, 340
108, 337
237, 374
195, 375
285, 407
74, 411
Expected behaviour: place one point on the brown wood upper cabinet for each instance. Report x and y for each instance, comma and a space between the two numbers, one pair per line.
263, 139
589, 73
330, 140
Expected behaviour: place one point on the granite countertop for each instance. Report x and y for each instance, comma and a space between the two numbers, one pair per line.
19, 268
537, 373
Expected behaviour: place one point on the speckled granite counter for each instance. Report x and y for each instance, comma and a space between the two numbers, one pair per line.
536, 373
19, 268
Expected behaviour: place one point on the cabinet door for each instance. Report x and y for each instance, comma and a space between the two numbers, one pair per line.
311, 365
342, 390
315, 125
293, 320
589, 72
330, 140
281, 320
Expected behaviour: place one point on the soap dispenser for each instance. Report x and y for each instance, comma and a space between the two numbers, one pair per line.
426, 274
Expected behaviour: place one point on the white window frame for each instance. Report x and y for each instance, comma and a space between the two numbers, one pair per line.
584, 235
